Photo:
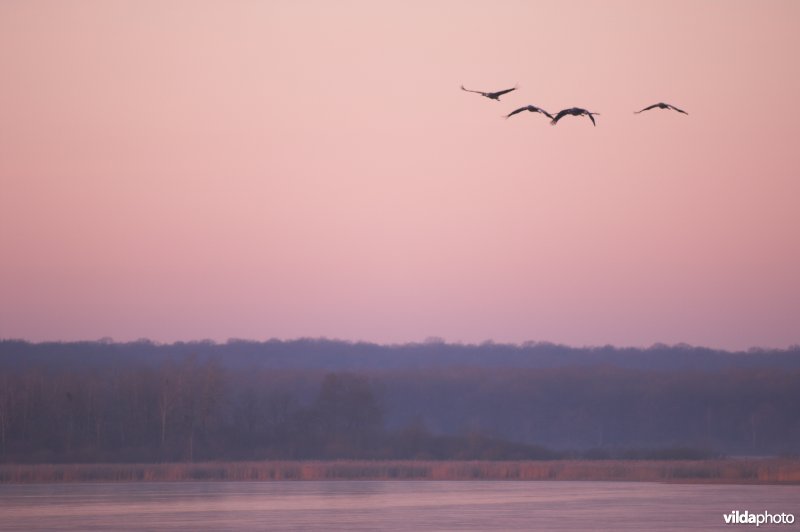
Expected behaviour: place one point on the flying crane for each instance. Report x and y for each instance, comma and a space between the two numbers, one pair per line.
532, 109
662, 105
491, 95
574, 111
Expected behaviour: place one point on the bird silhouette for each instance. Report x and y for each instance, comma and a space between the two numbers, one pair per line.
574, 111
662, 105
491, 95
532, 109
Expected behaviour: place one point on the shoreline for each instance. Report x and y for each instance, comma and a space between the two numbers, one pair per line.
772, 471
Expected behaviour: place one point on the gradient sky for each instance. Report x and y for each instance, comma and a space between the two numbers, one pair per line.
183, 170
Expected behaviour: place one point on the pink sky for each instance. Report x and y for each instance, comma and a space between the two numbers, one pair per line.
187, 170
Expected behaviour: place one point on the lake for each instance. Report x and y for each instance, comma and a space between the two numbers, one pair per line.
387, 505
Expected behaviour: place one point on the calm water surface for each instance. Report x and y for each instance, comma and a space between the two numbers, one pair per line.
378, 505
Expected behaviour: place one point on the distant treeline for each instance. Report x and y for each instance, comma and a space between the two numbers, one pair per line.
198, 411
338, 355
142, 402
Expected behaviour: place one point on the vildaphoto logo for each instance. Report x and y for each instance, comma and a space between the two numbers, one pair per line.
764, 518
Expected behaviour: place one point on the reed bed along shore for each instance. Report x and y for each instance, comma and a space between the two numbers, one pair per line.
725, 471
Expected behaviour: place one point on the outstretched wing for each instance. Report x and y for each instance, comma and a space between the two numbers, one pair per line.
478, 92
646, 108
512, 113
545, 113
500, 93
591, 118
676, 109
559, 116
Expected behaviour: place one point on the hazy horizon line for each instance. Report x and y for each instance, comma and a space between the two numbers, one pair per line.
430, 340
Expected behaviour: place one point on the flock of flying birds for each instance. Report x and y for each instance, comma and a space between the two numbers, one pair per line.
574, 111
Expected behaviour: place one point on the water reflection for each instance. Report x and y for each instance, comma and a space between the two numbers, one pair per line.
371, 505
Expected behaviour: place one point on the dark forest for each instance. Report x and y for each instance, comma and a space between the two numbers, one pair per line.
321, 399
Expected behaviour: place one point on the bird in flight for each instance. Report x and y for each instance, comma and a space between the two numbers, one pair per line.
492, 95
532, 109
662, 105
574, 111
